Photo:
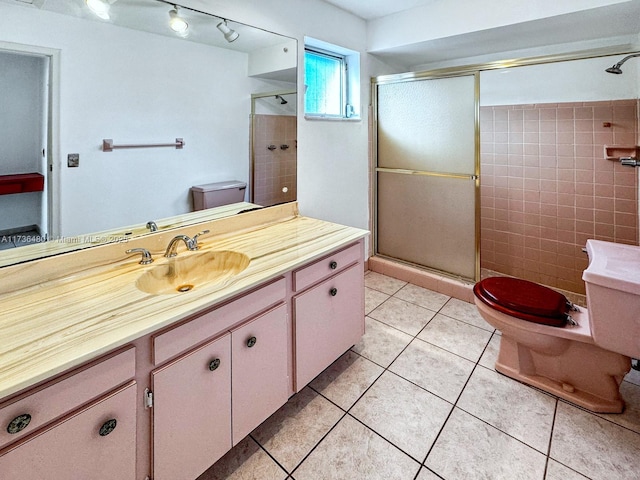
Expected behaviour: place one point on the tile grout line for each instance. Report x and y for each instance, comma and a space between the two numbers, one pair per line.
454, 407
385, 369
263, 448
553, 424
554, 420
477, 363
317, 444
415, 337
595, 414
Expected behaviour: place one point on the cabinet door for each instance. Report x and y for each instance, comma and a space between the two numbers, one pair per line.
86, 445
329, 319
260, 376
192, 411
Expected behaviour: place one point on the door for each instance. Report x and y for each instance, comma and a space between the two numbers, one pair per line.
260, 380
192, 411
329, 319
427, 179
97, 442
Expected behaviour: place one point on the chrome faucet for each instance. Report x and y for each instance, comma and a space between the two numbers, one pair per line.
191, 243
146, 255
151, 225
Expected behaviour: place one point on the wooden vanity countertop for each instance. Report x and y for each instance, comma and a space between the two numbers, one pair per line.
59, 323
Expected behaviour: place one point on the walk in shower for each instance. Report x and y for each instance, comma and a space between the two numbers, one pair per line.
427, 172
274, 146
543, 175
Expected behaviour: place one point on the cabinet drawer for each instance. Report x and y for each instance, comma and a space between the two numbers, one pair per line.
329, 318
86, 445
188, 335
54, 399
325, 267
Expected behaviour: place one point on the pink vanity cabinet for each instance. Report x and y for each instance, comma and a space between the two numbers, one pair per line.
208, 399
328, 311
172, 402
80, 425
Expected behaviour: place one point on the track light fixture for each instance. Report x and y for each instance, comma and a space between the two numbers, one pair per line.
229, 34
176, 22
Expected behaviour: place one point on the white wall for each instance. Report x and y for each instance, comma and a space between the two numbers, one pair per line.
272, 106
444, 18
21, 141
333, 178
332, 157
574, 81
135, 87
274, 59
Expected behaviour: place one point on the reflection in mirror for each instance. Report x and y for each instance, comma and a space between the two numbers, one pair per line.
274, 145
133, 79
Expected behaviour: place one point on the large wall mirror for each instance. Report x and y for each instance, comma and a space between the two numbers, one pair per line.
70, 79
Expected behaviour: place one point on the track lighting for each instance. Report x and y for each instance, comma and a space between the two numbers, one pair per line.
100, 7
176, 22
229, 34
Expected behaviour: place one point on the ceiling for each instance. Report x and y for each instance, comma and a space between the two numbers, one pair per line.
617, 23
371, 9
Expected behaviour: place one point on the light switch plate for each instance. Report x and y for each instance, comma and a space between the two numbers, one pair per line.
73, 160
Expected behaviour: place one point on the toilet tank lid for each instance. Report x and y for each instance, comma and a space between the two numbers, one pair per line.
212, 187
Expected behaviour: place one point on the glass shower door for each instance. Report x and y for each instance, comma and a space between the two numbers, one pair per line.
427, 173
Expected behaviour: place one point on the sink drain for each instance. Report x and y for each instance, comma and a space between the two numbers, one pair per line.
184, 288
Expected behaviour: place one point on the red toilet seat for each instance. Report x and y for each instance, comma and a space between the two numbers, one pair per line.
523, 299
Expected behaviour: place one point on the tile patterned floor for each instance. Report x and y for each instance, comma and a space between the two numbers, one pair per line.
418, 399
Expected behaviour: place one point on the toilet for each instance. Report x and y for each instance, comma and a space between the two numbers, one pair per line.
217, 194
548, 343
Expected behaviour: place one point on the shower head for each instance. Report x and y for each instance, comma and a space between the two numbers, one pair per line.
282, 100
616, 68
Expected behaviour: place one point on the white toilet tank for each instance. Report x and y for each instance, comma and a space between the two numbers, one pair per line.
217, 194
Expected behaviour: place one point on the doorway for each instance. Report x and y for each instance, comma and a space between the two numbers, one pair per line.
26, 139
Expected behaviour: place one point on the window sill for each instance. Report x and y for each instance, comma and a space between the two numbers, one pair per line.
332, 119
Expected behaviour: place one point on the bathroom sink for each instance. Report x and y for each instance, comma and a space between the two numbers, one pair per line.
191, 270
612, 282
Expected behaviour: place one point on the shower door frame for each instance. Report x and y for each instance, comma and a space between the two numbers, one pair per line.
473, 69
425, 76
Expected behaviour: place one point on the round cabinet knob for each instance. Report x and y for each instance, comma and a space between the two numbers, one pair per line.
333, 265
251, 342
19, 423
108, 427
333, 292
213, 364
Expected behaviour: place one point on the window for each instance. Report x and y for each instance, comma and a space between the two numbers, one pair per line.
324, 77
332, 87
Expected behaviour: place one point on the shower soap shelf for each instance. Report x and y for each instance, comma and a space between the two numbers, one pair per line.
615, 152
